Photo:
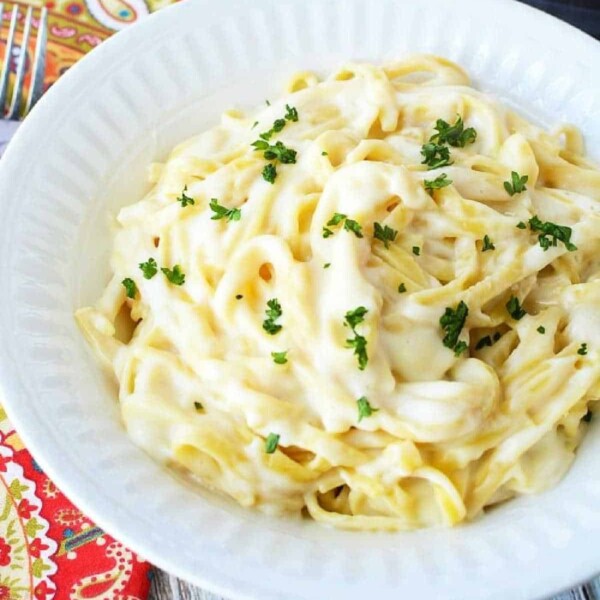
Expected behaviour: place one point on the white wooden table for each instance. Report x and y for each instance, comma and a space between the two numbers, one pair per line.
168, 587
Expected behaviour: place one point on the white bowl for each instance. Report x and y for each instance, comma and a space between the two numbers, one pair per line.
82, 154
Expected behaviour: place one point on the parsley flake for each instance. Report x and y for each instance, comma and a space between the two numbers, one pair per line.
517, 184
364, 408
460, 348
275, 152
324, 153
326, 265
401, 288
221, 212
273, 312
291, 113
583, 350
271, 443
358, 342
198, 406
551, 234
238, 296
175, 276
349, 225
255, 124
386, 234
185, 199
487, 244
454, 135
269, 173
541, 329
130, 287
416, 250
435, 156
452, 322
439, 182
149, 268
521, 225
280, 358
513, 306
327, 232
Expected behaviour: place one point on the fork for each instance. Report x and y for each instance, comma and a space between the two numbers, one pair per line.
14, 111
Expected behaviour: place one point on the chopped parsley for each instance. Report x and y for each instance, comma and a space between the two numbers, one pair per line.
513, 306
541, 329
255, 124
483, 342
278, 151
175, 276
185, 199
551, 234
583, 350
349, 225
521, 225
326, 265
386, 234
291, 113
435, 156
149, 268
267, 103
401, 288
273, 312
487, 244
324, 153
439, 182
517, 183
358, 342
364, 408
280, 358
221, 212
269, 173
416, 250
271, 443
452, 322
454, 135
198, 406
460, 348
238, 296
130, 287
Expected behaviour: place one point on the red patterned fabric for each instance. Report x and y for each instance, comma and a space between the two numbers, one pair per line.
48, 548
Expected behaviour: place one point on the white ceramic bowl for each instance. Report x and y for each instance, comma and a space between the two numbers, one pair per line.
82, 154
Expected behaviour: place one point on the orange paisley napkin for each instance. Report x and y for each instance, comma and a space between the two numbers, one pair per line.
48, 548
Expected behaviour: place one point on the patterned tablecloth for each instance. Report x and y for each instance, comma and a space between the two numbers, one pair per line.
48, 548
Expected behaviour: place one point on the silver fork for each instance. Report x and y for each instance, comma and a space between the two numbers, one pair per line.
15, 111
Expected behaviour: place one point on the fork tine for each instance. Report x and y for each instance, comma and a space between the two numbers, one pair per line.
10, 43
36, 87
17, 96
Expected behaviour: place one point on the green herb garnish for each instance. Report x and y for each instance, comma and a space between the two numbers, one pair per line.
221, 212
271, 443
452, 322
435, 156
175, 276
273, 312
238, 296
386, 234
583, 350
198, 406
130, 287
291, 113
149, 268
439, 182
326, 265
401, 288
416, 250
280, 358
358, 342
185, 199
541, 329
460, 348
487, 244
517, 184
364, 408
454, 135
514, 309
269, 173
349, 225
521, 225
551, 234
278, 151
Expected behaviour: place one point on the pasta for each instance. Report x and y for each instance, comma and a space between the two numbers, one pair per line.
375, 302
